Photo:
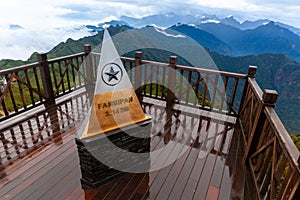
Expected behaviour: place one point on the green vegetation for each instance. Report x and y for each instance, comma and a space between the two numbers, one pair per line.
275, 71
296, 140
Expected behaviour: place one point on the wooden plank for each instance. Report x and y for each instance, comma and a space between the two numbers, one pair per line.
169, 182
226, 185
90, 193
180, 178
162, 174
212, 193
37, 156
204, 180
130, 187
43, 181
141, 189
218, 172
77, 194
54, 122
63, 188
116, 189
28, 177
195, 175
34, 163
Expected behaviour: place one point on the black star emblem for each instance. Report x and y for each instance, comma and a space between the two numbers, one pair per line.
112, 74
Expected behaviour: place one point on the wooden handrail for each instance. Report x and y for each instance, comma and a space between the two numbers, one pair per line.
270, 154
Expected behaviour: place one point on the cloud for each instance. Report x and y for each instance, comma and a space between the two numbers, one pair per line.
21, 43
69, 12
42, 20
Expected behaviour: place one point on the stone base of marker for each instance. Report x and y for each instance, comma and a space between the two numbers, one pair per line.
101, 157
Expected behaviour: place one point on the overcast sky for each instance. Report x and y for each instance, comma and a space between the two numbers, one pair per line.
63, 12
40, 17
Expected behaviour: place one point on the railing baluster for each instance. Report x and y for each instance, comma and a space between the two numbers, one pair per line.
180, 86
21, 91
196, 89
73, 73
232, 97
151, 81
66, 65
6, 113
156, 81
145, 84
138, 74
37, 82
205, 90
12, 97
215, 85
187, 97
163, 83
30, 91
223, 94
61, 79
54, 77
78, 71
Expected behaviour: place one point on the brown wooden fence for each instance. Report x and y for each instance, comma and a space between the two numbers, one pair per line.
40, 83
206, 89
270, 154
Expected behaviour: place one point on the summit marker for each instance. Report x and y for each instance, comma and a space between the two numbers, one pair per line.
115, 103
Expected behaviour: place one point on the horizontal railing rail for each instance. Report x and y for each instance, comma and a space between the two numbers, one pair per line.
270, 154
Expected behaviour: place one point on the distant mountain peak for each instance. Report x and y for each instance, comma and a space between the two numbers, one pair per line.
15, 27
112, 23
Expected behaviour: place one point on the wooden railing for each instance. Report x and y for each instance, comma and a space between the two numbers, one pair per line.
40, 83
206, 89
270, 154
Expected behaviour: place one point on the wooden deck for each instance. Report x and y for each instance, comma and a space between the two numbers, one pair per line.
204, 150
197, 156
38, 154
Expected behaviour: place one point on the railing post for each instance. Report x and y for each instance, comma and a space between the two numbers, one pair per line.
252, 71
46, 79
90, 78
251, 74
171, 82
269, 98
138, 74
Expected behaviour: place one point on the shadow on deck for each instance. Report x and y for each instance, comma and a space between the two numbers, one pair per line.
197, 154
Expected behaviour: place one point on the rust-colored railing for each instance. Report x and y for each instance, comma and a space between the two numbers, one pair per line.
270, 154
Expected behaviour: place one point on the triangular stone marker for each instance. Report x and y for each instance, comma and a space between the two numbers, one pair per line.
115, 103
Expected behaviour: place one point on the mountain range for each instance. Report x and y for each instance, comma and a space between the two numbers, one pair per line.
227, 35
231, 45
